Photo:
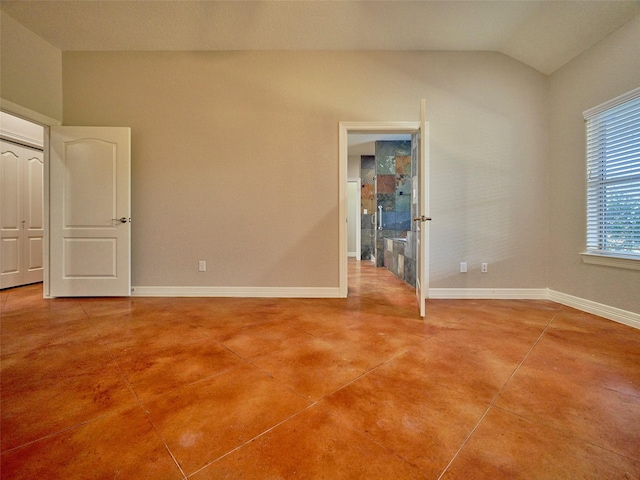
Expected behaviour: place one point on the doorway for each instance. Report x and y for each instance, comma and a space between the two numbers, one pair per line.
22, 216
370, 130
384, 165
44, 122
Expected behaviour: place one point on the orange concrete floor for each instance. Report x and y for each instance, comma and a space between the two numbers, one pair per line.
358, 388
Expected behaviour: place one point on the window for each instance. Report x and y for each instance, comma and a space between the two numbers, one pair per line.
613, 181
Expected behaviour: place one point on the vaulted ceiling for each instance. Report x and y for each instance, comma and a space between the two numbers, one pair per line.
542, 34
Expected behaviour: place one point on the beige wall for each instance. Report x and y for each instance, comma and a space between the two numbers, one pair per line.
30, 69
235, 158
607, 70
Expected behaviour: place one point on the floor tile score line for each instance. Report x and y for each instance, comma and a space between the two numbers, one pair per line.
493, 401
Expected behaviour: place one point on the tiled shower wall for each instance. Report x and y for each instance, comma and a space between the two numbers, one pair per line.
386, 181
368, 205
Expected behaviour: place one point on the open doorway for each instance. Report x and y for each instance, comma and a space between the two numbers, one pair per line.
358, 140
381, 164
22, 214
44, 122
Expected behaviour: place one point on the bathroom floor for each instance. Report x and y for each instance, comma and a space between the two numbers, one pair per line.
207, 388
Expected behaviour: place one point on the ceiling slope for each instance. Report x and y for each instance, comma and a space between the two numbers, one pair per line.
542, 34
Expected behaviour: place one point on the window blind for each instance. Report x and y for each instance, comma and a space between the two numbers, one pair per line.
613, 176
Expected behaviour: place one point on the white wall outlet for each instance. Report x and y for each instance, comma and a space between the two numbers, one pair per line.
202, 266
484, 268
463, 267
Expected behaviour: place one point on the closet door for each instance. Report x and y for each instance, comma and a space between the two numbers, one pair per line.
33, 216
21, 215
10, 215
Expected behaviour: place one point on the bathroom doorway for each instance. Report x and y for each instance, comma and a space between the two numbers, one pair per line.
419, 187
357, 140
382, 164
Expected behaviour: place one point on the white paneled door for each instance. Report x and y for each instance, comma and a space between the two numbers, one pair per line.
422, 247
21, 215
90, 210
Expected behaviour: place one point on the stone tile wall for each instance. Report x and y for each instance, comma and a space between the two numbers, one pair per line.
393, 191
368, 204
387, 181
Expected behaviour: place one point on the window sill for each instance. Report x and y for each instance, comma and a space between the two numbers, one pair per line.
611, 260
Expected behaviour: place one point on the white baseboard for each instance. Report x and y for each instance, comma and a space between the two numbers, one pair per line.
498, 293
257, 292
612, 313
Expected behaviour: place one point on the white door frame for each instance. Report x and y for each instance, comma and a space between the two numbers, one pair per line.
35, 117
345, 128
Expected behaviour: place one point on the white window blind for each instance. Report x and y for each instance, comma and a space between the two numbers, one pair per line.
613, 177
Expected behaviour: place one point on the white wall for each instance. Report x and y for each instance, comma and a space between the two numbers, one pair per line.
353, 218
605, 71
353, 166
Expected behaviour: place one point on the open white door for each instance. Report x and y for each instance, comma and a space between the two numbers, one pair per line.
90, 210
423, 218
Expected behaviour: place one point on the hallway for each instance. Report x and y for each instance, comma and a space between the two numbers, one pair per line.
254, 388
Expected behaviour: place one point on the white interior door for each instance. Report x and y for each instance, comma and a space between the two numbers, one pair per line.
423, 219
33, 216
21, 215
90, 210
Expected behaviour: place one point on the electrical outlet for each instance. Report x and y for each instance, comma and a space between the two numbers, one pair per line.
484, 268
202, 266
463, 267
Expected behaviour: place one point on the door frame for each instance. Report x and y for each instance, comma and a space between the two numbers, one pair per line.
345, 128
46, 122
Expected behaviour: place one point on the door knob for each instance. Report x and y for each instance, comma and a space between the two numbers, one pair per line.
422, 219
121, 220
